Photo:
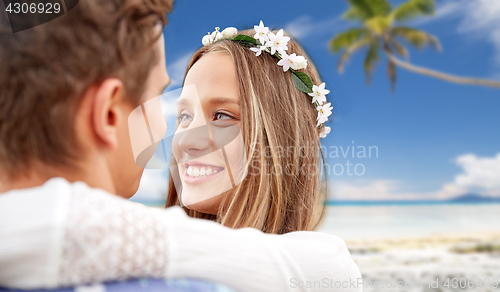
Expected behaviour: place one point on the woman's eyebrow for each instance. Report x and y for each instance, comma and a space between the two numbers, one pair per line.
213, 100
182, 101
221, 100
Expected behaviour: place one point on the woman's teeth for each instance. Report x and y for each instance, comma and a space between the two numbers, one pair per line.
194, 171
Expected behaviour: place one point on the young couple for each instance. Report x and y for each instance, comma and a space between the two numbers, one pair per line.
67, 165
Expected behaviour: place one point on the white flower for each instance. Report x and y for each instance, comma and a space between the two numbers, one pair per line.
216, 35
277, 42
324, 131
294, 61
212, 37
286, 61
258, 50
229, 32
261, 33
324, 111
207, 39
319, 93
300, 63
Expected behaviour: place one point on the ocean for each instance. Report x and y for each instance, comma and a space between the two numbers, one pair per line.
409, 220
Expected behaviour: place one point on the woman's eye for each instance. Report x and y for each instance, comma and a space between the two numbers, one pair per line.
183, 118
222, 116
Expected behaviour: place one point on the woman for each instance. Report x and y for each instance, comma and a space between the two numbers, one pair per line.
268, 176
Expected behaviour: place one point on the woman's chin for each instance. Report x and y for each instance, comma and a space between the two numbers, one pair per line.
202, 207
206, 204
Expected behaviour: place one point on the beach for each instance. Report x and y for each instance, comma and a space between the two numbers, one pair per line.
421, 247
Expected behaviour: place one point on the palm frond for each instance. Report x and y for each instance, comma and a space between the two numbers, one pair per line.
351, 50
391, 72
413, 8
399, 49
419, 39
378, 25
345, 39
371, 59
360, 10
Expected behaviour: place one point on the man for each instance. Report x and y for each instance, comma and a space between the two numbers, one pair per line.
67, 89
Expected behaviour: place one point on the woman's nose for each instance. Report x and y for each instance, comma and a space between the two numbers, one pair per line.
195, 141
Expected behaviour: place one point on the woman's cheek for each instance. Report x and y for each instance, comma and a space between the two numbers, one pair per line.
236, 157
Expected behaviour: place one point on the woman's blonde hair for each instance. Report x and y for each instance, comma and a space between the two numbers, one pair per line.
281, 140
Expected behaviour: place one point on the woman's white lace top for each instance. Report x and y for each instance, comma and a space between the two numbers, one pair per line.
67, 234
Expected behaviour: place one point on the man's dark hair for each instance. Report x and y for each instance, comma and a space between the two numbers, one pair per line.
45, 70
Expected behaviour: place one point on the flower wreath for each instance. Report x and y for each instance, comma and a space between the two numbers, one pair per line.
276, 45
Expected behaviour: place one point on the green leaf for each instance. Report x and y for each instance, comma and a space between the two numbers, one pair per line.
395, 46
378, 25
302, 81
412, 9
350, 50
362, 10
419, 39
372, 57
245, 38
246, 44
345, 39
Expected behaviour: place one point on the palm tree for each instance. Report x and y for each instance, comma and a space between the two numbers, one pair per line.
381, 30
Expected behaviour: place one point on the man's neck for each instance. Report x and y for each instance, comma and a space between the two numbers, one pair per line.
97, 177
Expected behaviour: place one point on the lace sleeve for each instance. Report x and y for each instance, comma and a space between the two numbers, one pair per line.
109, 238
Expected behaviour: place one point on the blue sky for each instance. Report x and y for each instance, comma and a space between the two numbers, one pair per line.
435, 139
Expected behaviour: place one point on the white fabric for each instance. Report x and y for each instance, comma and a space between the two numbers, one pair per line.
65, 234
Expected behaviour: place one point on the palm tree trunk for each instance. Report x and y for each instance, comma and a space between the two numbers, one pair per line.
440, 75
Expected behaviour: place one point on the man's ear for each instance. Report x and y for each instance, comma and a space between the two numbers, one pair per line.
106, 114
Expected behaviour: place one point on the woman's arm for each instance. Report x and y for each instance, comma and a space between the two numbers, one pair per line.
249, 260
108, 238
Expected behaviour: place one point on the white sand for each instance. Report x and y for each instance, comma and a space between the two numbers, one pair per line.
422, 260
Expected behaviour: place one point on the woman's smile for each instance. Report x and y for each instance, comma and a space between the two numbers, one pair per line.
197, 172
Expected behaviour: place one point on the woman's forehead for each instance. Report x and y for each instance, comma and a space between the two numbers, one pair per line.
213, 75
211, 68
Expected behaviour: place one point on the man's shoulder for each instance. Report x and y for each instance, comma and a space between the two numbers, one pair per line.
58, 200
